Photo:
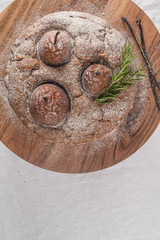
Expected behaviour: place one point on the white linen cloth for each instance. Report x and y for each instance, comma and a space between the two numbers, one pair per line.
118, 203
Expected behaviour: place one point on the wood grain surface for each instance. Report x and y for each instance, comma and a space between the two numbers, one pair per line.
75, 158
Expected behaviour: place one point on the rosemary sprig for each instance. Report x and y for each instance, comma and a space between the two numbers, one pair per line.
124, 77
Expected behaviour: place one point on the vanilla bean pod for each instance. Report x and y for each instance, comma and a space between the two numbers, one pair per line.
144, 49
143, 52
142, 36
132, 31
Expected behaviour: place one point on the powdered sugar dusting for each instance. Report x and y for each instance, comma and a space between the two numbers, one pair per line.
93, 40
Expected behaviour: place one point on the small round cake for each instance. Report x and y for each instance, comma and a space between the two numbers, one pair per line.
49, 105
55, 48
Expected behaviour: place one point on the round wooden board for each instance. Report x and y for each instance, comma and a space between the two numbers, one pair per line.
84, 157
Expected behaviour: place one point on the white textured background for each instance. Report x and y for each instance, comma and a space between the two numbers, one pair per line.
119, 203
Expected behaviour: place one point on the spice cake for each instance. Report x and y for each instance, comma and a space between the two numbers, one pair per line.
56, 69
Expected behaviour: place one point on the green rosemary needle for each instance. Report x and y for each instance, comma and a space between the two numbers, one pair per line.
124, 77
